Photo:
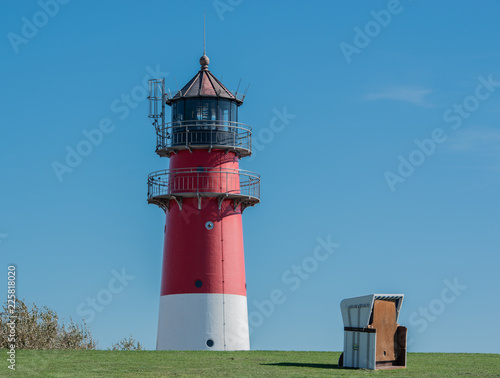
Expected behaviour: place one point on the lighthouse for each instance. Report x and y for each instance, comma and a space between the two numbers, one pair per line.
203, 303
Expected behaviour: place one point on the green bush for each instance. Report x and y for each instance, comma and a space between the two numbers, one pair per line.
127, 344
40, 328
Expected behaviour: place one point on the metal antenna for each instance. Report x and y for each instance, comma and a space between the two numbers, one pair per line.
177, 85
246, 90
204, 34
238, 86
163, 102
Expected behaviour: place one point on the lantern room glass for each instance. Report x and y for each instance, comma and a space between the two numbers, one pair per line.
205, 109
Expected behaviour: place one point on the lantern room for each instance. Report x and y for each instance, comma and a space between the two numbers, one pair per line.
204, 116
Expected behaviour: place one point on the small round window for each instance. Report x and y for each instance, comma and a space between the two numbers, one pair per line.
210, 343
209, 225
198, 283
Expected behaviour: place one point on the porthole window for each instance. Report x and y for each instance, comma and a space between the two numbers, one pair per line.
198, 283
209, 225
210, 343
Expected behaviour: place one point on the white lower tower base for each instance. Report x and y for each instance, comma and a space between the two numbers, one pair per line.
203, 322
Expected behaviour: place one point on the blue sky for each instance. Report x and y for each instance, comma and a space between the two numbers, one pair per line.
390, 151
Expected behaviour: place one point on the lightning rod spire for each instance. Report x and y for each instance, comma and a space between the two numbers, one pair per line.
204, 61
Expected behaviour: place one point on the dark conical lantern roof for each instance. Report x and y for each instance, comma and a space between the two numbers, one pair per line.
205, 84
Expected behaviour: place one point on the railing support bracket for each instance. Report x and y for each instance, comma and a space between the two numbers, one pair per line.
179, 201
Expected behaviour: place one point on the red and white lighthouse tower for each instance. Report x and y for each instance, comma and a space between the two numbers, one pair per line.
203, 304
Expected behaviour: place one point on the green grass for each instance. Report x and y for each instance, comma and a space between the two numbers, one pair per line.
74, 363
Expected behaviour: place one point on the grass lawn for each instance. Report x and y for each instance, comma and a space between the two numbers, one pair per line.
71, 363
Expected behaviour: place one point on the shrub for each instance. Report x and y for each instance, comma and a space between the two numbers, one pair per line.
40, 328
127, 344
